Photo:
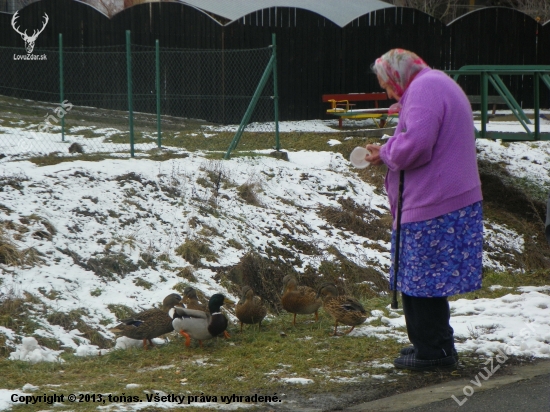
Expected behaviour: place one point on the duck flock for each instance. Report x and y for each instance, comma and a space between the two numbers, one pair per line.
194, 320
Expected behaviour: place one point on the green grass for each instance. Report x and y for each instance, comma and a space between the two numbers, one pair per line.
510, 283
54, 159
252, 362
177, 133
216, 148
249, 362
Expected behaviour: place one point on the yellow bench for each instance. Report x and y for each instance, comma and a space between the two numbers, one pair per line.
341, 107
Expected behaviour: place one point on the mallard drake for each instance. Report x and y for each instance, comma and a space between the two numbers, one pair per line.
191, 300
343, 309
196, 324
150, 323
299, 299
250, 309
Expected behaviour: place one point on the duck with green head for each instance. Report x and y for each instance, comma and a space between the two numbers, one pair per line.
199, 325
150, 323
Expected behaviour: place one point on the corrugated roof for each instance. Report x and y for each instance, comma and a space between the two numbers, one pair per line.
341, 12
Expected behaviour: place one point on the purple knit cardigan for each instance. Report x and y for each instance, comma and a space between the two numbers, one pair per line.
434, 143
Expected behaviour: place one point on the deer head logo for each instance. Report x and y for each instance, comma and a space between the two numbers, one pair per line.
29, 40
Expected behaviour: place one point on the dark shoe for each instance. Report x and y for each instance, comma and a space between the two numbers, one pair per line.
408, 350
412, 363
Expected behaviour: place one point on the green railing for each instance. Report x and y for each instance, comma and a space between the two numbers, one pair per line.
490, 74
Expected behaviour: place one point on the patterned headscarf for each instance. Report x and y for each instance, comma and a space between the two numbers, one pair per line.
398, 68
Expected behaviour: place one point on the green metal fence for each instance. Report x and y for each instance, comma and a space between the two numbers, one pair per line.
493, 75
129, 98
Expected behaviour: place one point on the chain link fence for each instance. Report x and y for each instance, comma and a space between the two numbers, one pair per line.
86, 96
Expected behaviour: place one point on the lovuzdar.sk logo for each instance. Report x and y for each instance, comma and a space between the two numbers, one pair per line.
29, 40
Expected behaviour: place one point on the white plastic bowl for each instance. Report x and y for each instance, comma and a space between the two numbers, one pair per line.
357, 157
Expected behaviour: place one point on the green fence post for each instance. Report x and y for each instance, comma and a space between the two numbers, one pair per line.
157, 81
61, 91
275, 94
484, 93
130, 106
536, 91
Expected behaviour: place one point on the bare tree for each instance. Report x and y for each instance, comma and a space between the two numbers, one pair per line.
444, 10
448, 10
537, 9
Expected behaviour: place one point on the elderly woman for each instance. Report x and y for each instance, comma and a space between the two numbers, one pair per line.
441, 236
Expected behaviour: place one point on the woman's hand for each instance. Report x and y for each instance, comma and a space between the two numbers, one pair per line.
374, 157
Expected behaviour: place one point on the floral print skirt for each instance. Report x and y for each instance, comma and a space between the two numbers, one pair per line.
441, 256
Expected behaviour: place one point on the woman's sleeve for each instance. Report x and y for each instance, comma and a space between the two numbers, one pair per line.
413, 146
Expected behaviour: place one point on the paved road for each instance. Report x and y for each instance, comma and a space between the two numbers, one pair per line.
531, 395
527, 389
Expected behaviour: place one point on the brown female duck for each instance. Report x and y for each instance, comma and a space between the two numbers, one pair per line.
191, 300
300, 300
343, 309
250, 309
150, 323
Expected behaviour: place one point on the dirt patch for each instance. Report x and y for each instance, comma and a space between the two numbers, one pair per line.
111, 265
107, 266
135, 177
501, 193
358, 219
74, 320
506, 202
194, 250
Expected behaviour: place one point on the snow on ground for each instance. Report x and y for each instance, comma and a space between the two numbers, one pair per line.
91, 206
